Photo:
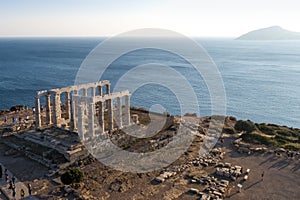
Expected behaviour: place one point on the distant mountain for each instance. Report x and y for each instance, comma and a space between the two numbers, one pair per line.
270, 33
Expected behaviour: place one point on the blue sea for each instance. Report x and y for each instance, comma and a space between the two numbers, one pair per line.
261, 78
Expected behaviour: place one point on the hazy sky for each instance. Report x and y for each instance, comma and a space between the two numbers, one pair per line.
110, 17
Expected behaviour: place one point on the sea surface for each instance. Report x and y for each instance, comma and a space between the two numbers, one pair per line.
261, 78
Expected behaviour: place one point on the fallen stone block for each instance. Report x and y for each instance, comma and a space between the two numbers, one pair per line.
228, 165
217, 193
194, 191
225, 182
160, 179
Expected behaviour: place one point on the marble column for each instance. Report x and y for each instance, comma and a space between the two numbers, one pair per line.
38, 120
110, 114
48, 109
100, 90
84, 92
119, 112
107, 88
57, 109
91, 119
127, 110
73, 115
101, 117
93, 91
81, 130
68, 106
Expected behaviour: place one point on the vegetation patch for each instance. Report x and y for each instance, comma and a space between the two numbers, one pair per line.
257, 139
265, 129
292, 147
71, 176
247, 126
284, 133
228, 130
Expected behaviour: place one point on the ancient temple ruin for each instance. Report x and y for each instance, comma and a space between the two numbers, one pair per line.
86, 108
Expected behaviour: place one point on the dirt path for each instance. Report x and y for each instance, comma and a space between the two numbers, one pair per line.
281, 175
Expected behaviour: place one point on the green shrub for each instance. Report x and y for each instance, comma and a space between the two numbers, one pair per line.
265, 129
256, 139
71, 176
296, 131
284, 133
274, 125
232, 118
228, 130
291, 147
246, 126
280, 140
295, 134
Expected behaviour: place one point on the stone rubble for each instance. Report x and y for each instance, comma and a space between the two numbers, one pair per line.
214, 188
213, 158
229, 172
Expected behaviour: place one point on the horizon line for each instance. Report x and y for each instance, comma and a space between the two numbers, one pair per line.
95, 36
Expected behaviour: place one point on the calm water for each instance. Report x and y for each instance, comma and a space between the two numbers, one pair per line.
262, 79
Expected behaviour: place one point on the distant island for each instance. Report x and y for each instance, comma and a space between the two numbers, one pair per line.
270, 33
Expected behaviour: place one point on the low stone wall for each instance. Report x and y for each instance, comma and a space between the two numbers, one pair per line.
32, 156
247, 148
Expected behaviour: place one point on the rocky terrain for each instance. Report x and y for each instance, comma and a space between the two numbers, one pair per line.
242, 154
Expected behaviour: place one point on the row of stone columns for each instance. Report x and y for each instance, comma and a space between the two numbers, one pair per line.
56, 109
84, 93
86, 112
120, 122
55, 116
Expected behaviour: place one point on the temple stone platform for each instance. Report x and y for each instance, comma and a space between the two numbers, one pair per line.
51, 147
